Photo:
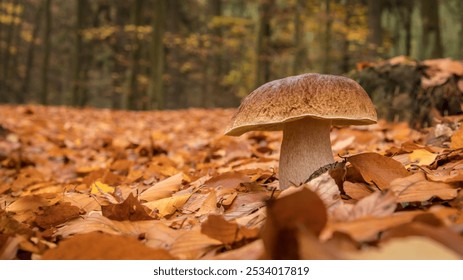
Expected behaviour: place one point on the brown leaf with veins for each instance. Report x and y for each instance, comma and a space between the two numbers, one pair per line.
377, 204
416, 188
131, 209
103, 246
227, 232
378, 169
53, 215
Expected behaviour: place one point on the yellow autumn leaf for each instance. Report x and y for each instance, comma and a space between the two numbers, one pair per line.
421, 157
168, 206
100, 187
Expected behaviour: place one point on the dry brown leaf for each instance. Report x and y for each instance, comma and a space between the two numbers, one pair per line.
378, 169
56, 214
457, 139
131, 209
227, 180
227, 232
286, 216
416, 188
164, 188
103, 246
167, 206
449, 173
367, 229
445, 236
356, 191
24, 208
193, 244
156, 234
246, 203
406, 248
327, 189
377, 204
251, 251
209, 205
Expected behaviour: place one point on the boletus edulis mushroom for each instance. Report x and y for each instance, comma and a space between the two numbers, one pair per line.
304, 107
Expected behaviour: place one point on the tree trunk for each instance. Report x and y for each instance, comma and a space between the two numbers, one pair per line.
4, 94
46, 55
326, 66
30, 58
460, 34
214, 94
77, 83
263, 49
300, 54
431, 36
375, 31
345, 65
133, 101
156, 87
407, 18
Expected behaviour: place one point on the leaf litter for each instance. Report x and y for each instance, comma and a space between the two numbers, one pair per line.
169, 185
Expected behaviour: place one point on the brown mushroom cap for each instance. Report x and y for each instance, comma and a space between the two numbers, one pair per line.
335, 98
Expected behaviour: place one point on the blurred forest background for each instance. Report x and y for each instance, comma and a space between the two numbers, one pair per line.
168, 54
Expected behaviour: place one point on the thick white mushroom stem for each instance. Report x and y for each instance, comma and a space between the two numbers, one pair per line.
305, 148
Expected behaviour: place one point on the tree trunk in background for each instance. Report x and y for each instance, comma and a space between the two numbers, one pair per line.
345, 65
431, 36
30, 57
407, 22
460, 34
134, 99
326, 66
77, 83
156, 86
46, 55
6, 88
174, 93
15, 76
214, 94
300, 54
375, 31
263, 49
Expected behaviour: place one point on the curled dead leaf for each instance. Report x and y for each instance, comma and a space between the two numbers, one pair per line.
378, 169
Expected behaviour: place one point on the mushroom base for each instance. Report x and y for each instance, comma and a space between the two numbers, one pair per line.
305, 148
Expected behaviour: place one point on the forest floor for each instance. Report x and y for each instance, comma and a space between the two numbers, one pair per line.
101, 184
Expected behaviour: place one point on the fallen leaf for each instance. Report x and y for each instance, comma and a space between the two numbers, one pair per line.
421, 157
356, 191
406, 248
416, 188
100, 187
285, 217
448, 173
164, 188
377, 204
251, 251
367, 229
444, 236
193, 245
131, 209
54, 215
227, 180
103, 246
377, 169
228, 232
167, 206
456, 141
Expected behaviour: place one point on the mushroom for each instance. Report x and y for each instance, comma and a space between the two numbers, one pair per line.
304, 107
